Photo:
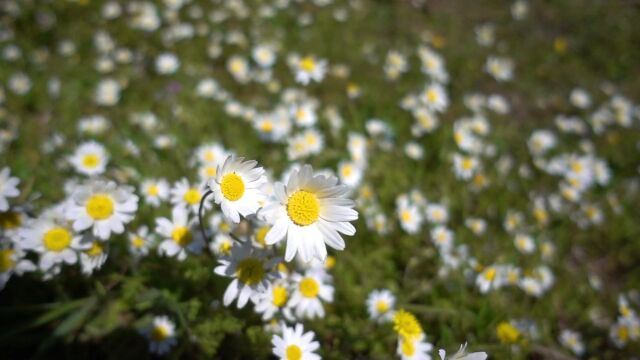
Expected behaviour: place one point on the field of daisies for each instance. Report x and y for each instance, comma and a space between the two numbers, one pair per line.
307, 179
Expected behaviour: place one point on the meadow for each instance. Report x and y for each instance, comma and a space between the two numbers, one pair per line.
306, 179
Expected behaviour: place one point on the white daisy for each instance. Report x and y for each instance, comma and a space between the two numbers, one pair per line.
414, 349
188, 196
310, 68
311, 290
295, 344
251, 271
155, 191
8, 188
273, 301
90, 158
180, 235
161, 335
380, 305
53, 240
167, 63
140, 241
236, 187
310, 211
12, 261
102, 206
93, 257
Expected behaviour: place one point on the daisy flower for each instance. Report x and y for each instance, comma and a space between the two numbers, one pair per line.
435, 97
251, 272
12, 261
140, 241
311, 211
380, 304
264, 56
180, 235
221, 244
188, 196
93, 257
102, 206
236, 187
273, 300
572, 341
310, 68
155, 191
311, 290
90, 158
107, 92
53, 240
161, 335
295, 344
500, 68
414, 349
8, 188
167, 63
410, 217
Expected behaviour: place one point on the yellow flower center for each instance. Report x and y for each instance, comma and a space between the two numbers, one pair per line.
153, 190
266, 126
309, 287
211, 171
407, 347
406, 325
159, 333
507, 333
6, 261
405, 215
182, 236
209, 156
10, 220
431, 95
307, 64
279, 296
303, 208
623, 333
294, 352
330, 262
577, 167
232, 186
192, 196
382, 306
96, 249
347, 170
225, 247
250, 271
467, 163
261, 234
57, 239
490, 274
100, 207
90, 161
137, 242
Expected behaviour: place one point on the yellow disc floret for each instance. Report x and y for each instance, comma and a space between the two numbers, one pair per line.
159, 333
100, 207
192, 196
250, 271
232, 187
90, 161
57, 239
279, 296
293, 352
309, 287
406, 325
303, 208
182, 236
6, 260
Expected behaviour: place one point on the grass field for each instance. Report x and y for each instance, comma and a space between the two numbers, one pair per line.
492, 149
